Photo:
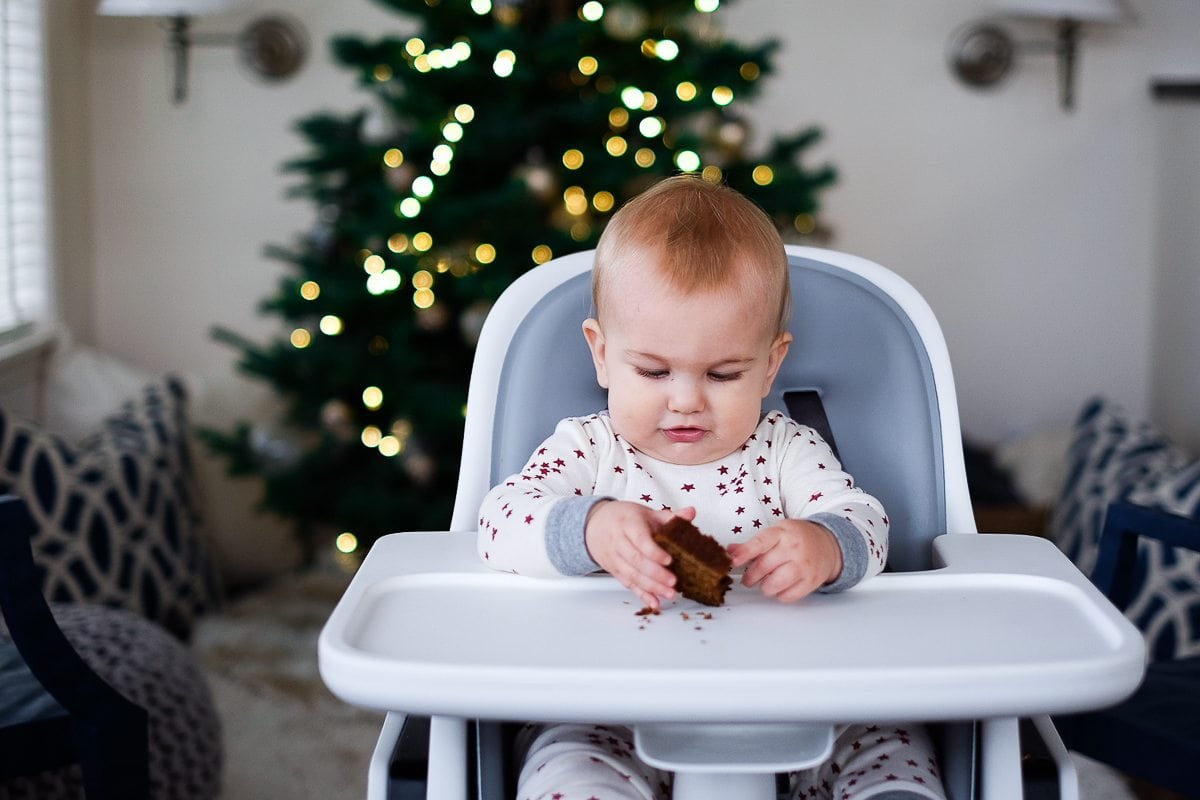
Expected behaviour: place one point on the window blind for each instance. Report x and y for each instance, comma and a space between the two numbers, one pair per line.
24, 280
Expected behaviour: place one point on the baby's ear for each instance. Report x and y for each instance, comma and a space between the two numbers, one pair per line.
595, 340
779, 350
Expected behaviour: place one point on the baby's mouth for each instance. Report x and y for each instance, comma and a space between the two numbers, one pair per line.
684, 434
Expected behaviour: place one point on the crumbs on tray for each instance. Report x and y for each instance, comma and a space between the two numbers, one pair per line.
696, 616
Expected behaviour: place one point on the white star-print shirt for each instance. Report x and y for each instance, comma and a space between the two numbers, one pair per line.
532, 523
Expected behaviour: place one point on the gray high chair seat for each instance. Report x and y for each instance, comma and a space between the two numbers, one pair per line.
868, 366
855, 349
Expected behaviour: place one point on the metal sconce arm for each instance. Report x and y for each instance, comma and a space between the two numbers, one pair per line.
983, 54
273, 47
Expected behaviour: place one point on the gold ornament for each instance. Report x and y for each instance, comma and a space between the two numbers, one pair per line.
470, 322
432, 317
400, 178
733, 134
623, 21
420, 467
539, 179
338, 419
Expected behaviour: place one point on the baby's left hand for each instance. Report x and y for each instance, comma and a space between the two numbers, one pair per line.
789, 560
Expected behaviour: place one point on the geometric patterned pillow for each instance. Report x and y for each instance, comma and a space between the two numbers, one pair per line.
1116, 457
117, 513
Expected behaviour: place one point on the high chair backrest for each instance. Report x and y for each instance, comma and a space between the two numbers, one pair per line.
866, 344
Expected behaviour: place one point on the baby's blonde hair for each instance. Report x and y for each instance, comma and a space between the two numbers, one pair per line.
700, 236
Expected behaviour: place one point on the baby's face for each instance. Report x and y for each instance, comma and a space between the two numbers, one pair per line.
685, 373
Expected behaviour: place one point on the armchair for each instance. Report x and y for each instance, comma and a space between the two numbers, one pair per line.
1155, 734
56, 710
101, 687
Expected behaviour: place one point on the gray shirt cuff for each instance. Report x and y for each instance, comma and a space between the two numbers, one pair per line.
565, 526
854, 550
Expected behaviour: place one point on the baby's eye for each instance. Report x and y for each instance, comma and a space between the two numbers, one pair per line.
721, 377
651, 373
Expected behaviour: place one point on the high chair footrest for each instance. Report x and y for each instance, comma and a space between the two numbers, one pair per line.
758, 748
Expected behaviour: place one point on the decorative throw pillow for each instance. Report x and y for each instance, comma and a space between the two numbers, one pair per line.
1116, 457
117, 513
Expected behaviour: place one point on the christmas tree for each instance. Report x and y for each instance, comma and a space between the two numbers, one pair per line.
501, 134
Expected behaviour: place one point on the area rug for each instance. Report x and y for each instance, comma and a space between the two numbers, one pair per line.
286, 735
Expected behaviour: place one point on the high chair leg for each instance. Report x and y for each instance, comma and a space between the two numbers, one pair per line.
1000, 760
1003, 766
1058, 776
447, 757
377, 770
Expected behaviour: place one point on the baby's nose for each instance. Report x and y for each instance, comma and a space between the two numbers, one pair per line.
684, 396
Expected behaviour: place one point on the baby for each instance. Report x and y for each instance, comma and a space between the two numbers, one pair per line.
691, 292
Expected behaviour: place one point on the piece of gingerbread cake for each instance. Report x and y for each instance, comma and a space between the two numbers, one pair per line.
700, 563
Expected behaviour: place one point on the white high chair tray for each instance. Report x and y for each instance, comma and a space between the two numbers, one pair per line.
1008, 627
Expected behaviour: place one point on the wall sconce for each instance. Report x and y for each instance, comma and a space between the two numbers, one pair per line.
983, 54
273, 47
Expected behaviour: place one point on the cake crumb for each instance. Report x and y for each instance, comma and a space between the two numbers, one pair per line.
647, 611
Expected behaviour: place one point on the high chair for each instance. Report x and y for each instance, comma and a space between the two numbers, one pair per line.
970, 632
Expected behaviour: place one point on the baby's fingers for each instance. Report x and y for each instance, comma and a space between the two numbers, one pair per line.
687, 512
648, 549
743, 553
645, 574
650, 593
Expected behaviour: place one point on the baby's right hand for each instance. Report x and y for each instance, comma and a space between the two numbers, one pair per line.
618, 537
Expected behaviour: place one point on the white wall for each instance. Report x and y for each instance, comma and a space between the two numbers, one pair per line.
1025, 227
1035, 234
1176, 346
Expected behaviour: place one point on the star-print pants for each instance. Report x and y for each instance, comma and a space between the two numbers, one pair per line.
597, 762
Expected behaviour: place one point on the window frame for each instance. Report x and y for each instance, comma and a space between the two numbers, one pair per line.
27, 286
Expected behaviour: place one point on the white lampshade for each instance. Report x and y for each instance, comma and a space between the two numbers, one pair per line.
1080, 10
166, 8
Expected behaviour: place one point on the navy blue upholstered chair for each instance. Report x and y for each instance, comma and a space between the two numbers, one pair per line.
54, 709
1155, 734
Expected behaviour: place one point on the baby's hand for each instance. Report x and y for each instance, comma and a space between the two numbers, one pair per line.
618, 537
789, 560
